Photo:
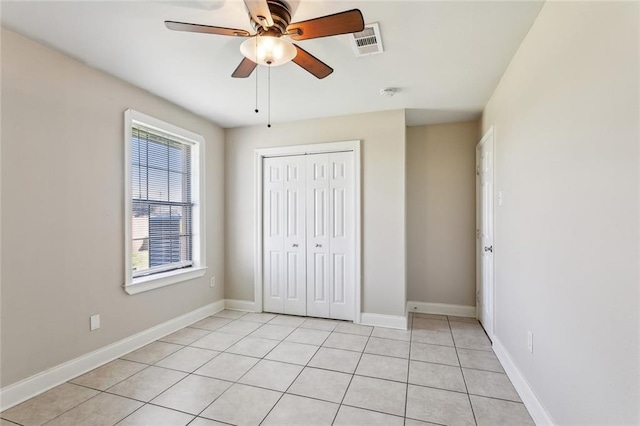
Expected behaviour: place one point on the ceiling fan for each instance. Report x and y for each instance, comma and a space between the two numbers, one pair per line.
271, 19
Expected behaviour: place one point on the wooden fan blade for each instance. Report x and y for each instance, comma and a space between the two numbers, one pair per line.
245, 69
347, 22
197, 28
312, 64
259, 11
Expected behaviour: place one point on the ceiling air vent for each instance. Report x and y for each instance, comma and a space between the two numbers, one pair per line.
368, 41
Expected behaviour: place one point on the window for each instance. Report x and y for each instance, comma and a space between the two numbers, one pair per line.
163, 187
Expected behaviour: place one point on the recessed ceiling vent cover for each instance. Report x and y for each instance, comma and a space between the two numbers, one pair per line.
368, 41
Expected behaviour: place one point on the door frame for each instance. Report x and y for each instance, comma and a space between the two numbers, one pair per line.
319, 148
489, 136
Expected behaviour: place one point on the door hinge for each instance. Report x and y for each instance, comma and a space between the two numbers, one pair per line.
477, 233
478, 171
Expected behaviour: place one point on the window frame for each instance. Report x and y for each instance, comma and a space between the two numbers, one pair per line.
161, 279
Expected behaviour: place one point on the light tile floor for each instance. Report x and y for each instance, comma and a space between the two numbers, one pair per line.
252, 369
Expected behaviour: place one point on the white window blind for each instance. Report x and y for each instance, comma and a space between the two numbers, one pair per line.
161, 203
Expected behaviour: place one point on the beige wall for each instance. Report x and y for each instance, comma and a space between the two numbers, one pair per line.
383, 200
566, 129
441, 213
62, 210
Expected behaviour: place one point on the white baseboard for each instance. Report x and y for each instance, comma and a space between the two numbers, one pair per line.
240, 305
537, 411
28, 388
442, 309
379, 320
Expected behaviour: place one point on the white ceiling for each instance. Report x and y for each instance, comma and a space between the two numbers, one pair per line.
446, 57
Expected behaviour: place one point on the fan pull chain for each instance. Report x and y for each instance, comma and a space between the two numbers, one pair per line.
257, 68
269, 98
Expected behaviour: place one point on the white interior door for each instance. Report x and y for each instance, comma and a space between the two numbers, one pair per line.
273, 234
284, 235
318, 275
342, 236
295, 288
485, 291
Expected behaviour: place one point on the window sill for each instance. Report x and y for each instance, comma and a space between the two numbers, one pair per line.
138, 285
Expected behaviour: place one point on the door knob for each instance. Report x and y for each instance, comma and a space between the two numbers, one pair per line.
318, 245
295, 245
490, 248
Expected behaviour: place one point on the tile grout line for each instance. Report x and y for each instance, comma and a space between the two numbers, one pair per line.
199, 375
453, 346
100, 391
464, 380
239, 378
188, 374
144, 403
146, 366
298, 375
451, 365
372, 411
352, 376
277, 340
76, 406
134, 411
406, 398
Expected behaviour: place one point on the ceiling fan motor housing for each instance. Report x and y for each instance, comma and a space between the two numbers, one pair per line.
281, 15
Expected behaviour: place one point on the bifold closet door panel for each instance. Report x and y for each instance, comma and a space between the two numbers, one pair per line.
273, 234
295, 286
317, 206
330, 236
284, 230
341, 235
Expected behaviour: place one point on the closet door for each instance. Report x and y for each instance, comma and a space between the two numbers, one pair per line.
318, 285
295, 287
284, 235
273, 234
330, 236
309, 235
341, 236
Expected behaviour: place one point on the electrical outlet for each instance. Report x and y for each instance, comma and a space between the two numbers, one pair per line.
94, 322
530, 341
213, 282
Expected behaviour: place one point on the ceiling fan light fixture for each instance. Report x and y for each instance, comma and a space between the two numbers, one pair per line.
268, 50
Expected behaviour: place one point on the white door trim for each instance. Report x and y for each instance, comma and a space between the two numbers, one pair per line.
488, 136
302, 150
